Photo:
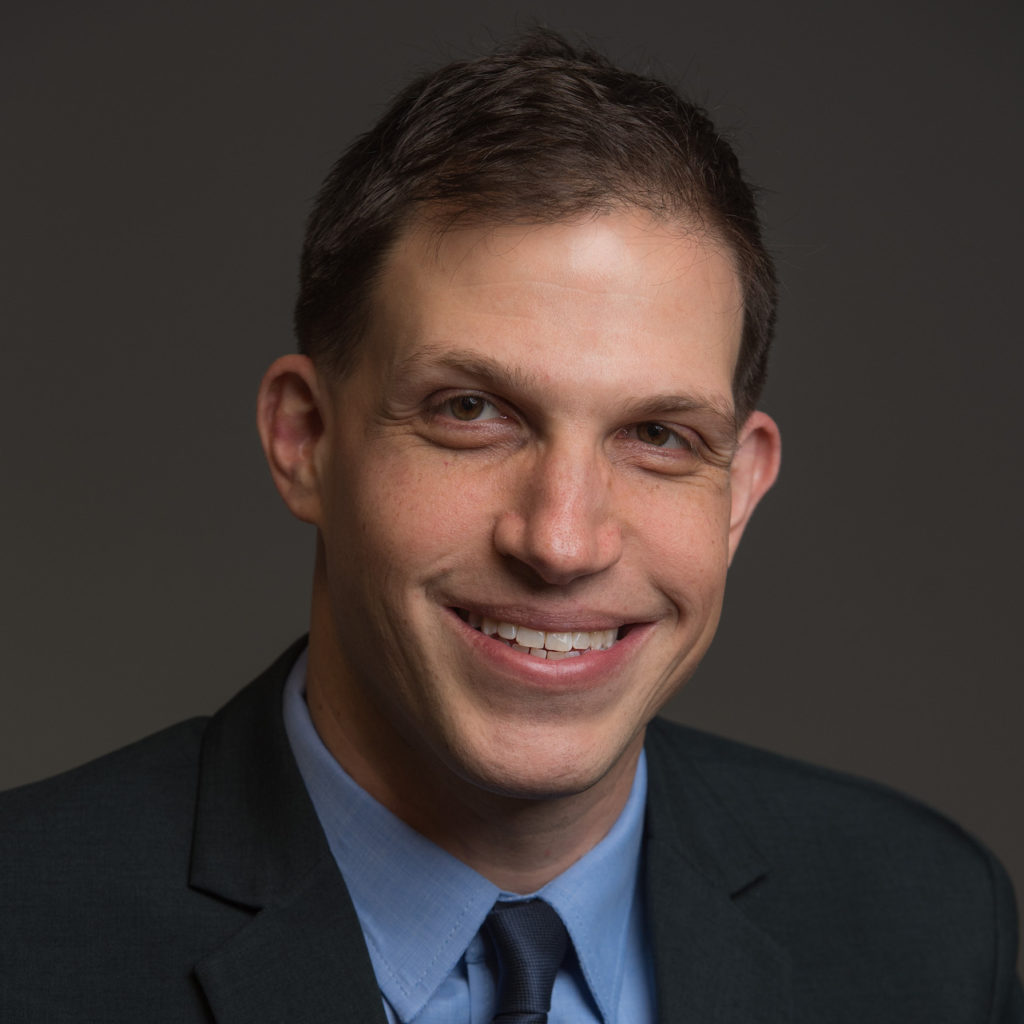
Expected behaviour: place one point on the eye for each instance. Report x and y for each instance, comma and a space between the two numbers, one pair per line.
467, 419
471, 407
654, 433
659, 436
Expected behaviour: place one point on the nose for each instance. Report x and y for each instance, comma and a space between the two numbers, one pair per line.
560, 520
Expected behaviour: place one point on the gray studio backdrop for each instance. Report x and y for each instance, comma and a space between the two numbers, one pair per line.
159, 160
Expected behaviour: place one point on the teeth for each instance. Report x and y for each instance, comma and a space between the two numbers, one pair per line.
558, 641
527, 637
537, 652
551, 645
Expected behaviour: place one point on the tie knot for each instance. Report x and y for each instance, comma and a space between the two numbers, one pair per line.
530, 941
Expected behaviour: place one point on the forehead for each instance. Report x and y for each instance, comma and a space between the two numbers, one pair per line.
620, 297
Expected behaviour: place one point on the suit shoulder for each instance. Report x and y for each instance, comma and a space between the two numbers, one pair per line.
775, 793
851, 876
839, 833
149, 784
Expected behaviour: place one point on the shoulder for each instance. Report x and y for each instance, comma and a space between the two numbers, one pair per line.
862, 885
784, 804
150, 784
101, 915
74, 845
144, 791
94, 898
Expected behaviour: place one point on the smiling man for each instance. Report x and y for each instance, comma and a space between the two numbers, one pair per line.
533, 324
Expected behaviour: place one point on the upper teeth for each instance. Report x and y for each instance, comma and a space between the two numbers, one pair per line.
540, 643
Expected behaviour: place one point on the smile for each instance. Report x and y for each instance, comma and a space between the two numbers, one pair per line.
554, 646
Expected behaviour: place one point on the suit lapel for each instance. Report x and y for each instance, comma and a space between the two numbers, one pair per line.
712, 965
302, 959
258, 844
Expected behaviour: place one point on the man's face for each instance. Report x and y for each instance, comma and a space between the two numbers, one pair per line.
537, 440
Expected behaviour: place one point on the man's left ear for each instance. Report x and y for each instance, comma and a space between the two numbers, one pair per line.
754, 469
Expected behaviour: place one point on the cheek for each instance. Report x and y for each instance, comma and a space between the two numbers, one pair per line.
413, 514
685, 543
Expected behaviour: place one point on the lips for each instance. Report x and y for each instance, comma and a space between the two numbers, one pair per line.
553, 645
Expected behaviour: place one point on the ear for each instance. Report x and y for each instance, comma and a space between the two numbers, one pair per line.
291, 424
754, 469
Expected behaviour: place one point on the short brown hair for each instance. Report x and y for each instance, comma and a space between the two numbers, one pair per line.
539, 131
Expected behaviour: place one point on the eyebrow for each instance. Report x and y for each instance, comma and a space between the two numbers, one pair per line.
656, 406
473, 364
495, 373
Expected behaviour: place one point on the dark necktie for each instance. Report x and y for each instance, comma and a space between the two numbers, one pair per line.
530, 941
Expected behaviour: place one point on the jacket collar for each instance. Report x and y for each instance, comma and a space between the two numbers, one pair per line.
258, 844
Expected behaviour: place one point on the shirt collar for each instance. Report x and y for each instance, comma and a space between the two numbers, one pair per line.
420, 907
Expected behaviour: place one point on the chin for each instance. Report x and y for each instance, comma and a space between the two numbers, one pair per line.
543, 764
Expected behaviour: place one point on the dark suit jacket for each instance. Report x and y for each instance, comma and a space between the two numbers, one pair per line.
186, 878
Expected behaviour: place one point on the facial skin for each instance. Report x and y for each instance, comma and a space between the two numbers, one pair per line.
539, 431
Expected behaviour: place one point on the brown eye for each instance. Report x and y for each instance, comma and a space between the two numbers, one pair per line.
467, 407
654, 433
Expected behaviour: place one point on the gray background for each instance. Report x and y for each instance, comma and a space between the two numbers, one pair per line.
158, 163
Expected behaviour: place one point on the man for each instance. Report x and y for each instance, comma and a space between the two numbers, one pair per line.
534, 322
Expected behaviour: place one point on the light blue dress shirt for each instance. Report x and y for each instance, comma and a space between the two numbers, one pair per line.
421, 909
